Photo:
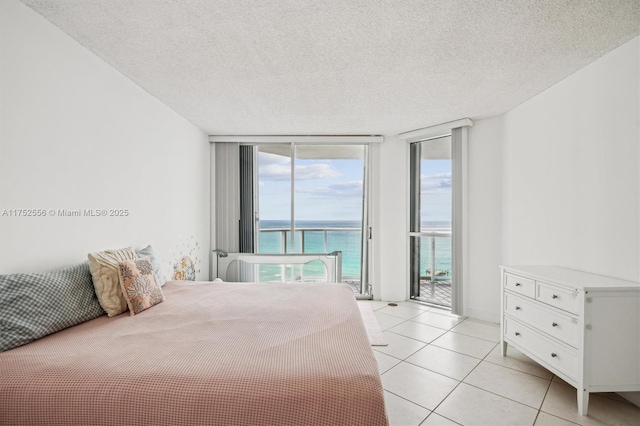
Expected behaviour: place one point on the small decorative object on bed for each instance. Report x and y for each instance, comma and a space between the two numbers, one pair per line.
223, 354
139, 285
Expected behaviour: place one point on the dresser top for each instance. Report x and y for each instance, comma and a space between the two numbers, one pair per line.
571, 277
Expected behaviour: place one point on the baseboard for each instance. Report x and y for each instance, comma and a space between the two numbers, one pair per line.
483, 315
632, 397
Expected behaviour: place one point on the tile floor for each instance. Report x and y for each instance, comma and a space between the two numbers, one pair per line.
439, 369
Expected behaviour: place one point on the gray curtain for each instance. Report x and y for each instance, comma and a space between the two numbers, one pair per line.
458, 140
248, 164
227, 190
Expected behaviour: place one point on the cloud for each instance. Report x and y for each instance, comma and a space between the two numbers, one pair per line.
274, 172
425, 186
445, 183
273, 167
440, 182
447, 175
351, 189
316, 171
282, 172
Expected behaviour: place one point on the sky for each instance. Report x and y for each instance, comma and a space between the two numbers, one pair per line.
332, 189
324, 190
435, 190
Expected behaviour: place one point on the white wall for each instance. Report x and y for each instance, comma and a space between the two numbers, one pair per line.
571, 170
77, 134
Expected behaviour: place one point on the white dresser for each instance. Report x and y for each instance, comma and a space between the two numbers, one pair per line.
583, 327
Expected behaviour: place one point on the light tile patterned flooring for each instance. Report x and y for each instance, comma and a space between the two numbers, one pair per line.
440, 369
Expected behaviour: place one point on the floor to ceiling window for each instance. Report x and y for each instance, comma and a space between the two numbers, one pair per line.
431, 260
311, 198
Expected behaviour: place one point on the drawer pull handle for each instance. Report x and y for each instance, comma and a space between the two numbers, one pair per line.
517, 308
517, 334
553, 355
555, 296
518, 284
554, 324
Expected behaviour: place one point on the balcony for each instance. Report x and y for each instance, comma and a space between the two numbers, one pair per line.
435, 255
433, 267
348, 240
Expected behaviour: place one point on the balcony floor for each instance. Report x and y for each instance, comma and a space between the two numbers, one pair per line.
441, 295
354, 284
441, 292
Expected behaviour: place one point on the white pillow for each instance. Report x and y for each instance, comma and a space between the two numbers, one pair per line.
106, 280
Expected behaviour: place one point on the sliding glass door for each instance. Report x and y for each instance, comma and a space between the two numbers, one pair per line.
430, 236
312, 199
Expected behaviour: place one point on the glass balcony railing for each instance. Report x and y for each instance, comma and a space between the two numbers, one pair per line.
432, 278
347, 240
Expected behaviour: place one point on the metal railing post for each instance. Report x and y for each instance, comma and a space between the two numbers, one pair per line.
326, 239
283, 238
433, 265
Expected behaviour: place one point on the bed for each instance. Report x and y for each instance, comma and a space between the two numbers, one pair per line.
210, 354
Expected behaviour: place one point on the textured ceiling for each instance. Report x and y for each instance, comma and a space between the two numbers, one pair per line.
343, 67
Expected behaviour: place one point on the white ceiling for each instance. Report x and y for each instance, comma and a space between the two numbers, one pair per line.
343, 67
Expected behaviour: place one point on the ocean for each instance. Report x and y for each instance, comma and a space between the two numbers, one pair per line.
345, 236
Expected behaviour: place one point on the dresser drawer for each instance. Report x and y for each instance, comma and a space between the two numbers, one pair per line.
524, 286
564, 360
556, 324
559, 297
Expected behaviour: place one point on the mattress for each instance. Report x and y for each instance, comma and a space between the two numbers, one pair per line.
212, 353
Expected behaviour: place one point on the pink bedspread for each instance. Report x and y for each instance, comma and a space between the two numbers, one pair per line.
211, 354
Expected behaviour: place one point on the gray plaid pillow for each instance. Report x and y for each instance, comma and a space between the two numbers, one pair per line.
35, 305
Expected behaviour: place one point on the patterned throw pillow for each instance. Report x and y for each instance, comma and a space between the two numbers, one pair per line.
35, 305
151, 254
104, 272
139, 285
